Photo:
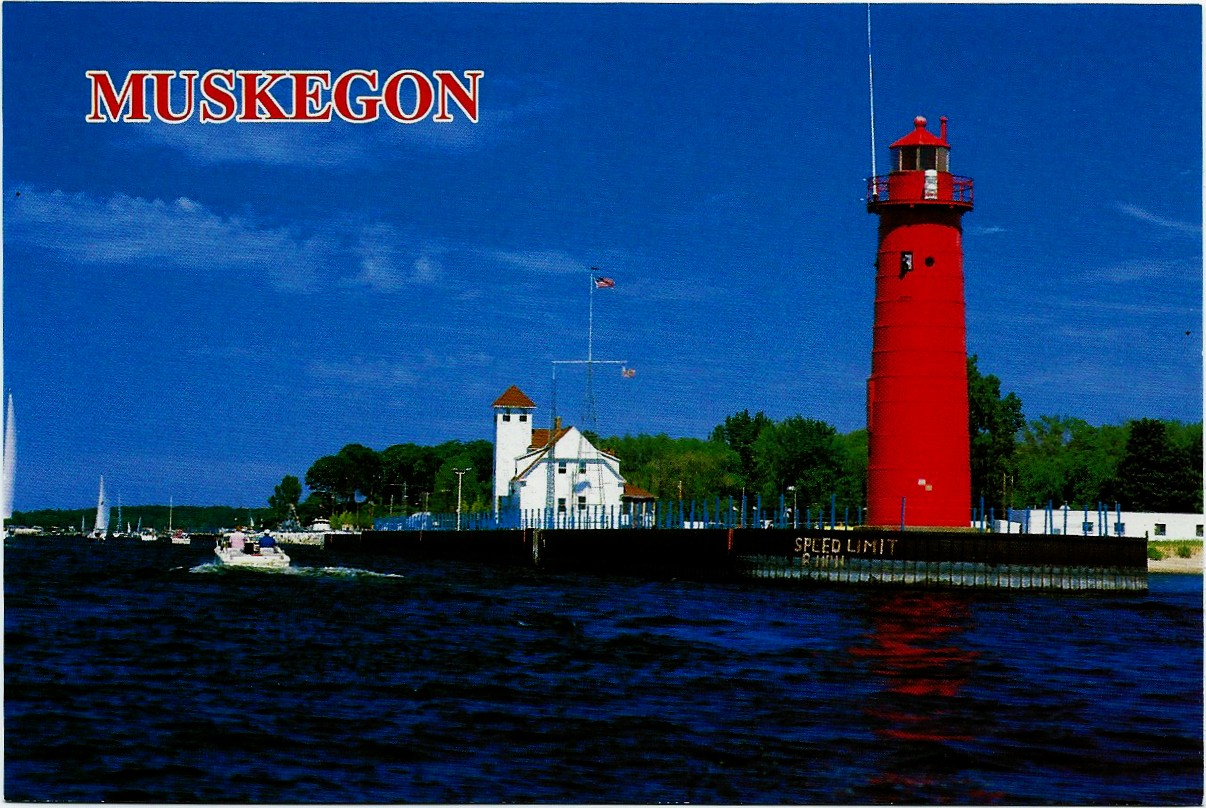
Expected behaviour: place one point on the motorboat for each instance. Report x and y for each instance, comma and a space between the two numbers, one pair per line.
180, 537
252, 555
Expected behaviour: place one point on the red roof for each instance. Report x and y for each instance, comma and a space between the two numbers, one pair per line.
920, 137
633, 492
514, 397
540, 437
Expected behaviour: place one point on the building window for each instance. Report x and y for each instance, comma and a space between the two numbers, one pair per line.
581, 466
523, 417
506, 416
560, 504
1161, 529
1199, 531
561, 467
581, 503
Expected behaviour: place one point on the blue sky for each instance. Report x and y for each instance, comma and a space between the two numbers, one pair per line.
195, 312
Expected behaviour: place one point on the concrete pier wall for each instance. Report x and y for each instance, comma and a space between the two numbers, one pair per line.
915, 558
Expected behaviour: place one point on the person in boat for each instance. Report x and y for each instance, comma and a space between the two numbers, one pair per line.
266, 539
238, 539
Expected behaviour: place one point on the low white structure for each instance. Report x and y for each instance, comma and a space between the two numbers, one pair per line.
1070, 521
586, 481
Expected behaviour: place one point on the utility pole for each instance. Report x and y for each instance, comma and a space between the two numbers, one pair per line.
460, 474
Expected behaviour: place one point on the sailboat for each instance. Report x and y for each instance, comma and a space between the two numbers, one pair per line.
101, 528
9, 464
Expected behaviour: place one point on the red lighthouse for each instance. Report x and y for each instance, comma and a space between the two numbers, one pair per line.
919, 470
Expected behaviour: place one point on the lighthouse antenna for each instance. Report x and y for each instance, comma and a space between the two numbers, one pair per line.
871, 88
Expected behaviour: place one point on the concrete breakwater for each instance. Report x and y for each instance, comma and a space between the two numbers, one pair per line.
914, 558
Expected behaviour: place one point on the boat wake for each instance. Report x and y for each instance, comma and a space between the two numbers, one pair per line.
217, 567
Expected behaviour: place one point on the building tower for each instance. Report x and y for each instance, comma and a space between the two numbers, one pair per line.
919, 468
512, 437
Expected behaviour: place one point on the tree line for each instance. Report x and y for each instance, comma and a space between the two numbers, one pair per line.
190, 518
1145, 465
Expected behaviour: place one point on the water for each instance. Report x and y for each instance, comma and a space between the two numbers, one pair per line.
144, 673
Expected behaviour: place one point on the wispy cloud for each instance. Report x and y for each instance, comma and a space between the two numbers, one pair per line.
123, 230
360, 373
1143, 215
409, 370
309, 145
545, 262
507, 107
1143, 269
387, 262
180, 233
989, 230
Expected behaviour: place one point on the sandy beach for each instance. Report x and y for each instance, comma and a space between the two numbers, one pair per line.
1174, 563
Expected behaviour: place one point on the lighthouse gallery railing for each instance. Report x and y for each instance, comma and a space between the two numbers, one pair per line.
961, 190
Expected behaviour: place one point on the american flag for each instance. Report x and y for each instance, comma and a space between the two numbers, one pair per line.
627, 373
604, 283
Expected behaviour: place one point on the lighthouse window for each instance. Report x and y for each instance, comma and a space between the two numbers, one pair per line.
922, 158
929, 260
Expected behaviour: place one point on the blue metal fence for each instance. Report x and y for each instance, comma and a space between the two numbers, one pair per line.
744, 512
722, 512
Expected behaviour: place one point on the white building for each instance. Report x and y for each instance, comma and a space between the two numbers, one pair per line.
586, 481
1071, 521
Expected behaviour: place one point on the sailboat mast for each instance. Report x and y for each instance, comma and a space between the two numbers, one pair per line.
8, 464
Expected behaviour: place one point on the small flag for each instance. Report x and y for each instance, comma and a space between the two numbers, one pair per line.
604, 283
627, 373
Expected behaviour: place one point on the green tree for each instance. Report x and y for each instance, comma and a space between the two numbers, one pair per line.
692, 469
408, 473
285, 496
852, 482
330, 478
739, 432
1066, 460
993, 426
363, 468
1155, 473
800, 452
474, 495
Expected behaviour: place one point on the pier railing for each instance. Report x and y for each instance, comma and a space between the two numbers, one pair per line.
722, 512
754, 512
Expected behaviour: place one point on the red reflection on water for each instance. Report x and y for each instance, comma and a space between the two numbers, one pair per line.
910, 643
913, 645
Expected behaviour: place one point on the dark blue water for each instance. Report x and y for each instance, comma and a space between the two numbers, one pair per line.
139, 673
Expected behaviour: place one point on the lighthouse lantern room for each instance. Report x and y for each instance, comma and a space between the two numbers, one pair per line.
919, 472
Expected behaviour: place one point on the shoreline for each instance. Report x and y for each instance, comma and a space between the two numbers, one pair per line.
1175, 564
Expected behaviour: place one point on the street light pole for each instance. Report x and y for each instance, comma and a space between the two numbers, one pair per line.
795, 516
460, 473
